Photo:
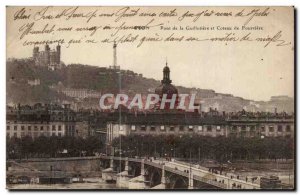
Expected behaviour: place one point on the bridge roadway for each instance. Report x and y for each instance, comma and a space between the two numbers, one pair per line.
191, 174
198, 173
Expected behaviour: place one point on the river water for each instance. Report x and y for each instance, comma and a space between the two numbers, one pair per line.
89, 183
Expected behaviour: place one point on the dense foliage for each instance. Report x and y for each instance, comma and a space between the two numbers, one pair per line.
196, 147
218, 148
54, 146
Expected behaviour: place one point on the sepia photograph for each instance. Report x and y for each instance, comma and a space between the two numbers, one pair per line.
147, 98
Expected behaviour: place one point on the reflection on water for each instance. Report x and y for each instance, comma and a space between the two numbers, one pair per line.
89, 183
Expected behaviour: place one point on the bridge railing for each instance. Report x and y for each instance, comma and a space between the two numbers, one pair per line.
153, 164
182, 173
121, 158
210, 181
134, 160
192, 165
220, 176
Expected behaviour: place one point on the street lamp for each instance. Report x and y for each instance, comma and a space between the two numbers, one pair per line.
162, 152
190, 148
179, 143
155, 148
173, 152
199, 155
190, 172
136, 151
142, 152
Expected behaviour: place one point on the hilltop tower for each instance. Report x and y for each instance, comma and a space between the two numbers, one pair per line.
58, 54
115, 64
115, 54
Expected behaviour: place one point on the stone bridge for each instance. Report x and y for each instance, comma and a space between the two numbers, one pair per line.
137, 173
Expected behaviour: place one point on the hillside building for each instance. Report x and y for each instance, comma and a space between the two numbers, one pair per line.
47, 58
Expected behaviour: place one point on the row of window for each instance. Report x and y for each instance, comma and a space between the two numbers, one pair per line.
32, 134
209, 128
271, 128
279, 128
172, 128
29, 128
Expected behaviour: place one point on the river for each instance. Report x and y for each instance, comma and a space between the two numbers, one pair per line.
89, 183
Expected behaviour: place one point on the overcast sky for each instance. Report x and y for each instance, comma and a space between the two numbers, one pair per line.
243, 69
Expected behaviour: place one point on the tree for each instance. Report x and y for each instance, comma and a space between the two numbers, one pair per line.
221, 149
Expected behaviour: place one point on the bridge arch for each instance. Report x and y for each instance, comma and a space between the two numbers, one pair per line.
177, 182
119, 165
134, 169
104, 163
153, 175
155, 178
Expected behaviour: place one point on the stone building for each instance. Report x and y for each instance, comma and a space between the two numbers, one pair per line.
159, 123
261, 125
34, 82
163, 123
47, 58
211, 123
38, 120
80, 93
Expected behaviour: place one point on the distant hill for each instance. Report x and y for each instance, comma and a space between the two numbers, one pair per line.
77, 76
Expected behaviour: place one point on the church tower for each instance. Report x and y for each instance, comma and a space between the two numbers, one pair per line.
166, 88
166, 75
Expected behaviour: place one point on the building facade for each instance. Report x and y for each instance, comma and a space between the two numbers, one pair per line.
47, 58
80, 93
34, 82
38, 120
199, 124
271, 127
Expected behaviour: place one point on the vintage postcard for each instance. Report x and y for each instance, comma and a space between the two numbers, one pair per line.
150, 98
